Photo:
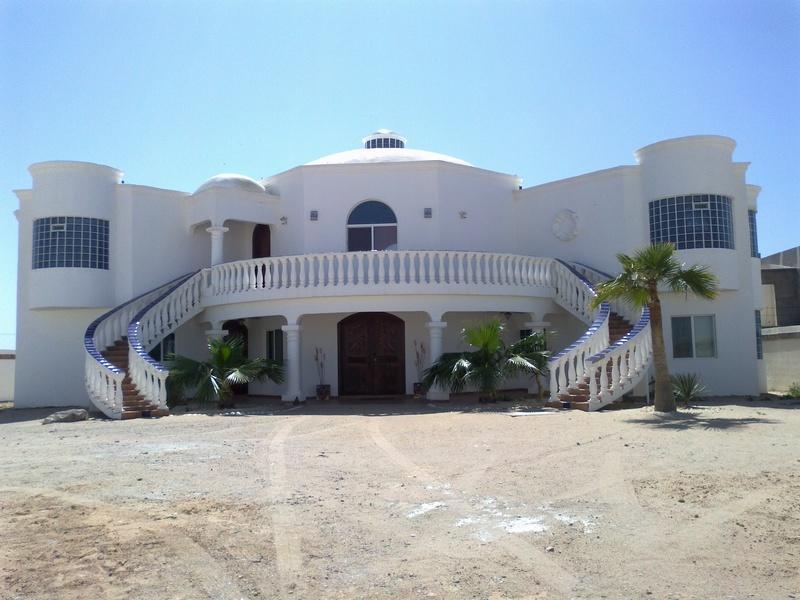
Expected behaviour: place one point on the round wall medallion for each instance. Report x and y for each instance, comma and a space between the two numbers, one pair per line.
565, 225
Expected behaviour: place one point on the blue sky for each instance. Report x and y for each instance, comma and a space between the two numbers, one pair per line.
174, 92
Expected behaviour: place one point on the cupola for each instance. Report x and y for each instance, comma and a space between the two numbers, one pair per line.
384, 138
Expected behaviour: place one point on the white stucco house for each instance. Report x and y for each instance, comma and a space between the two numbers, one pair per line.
366, 254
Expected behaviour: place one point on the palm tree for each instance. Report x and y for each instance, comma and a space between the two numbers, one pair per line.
638, 284
490, 363
227, 366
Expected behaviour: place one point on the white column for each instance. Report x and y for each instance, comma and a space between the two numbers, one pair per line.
536, 327
216, 331
217, 232
293, 389
435, 331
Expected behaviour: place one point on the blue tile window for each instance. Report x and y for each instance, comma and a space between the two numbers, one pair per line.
751, 219
696, 221
70, 242
759, 340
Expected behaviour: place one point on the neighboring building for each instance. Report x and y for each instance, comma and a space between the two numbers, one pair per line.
365, 252
780, 317
7, 359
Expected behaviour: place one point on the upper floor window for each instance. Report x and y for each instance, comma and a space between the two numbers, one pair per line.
751, 219
371, 226
697, 221
70, 242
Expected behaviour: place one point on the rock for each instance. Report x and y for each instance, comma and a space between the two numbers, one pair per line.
550, 549
67, 416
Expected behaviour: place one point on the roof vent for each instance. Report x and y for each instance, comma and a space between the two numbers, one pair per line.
383, 138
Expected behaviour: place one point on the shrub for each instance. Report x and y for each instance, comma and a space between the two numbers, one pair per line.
686, 387
794, 390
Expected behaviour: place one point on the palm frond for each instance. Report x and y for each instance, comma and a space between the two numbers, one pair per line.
487, 336
184, 371
695, 279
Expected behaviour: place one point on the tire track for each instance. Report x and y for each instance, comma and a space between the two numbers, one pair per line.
546, 569
285, 528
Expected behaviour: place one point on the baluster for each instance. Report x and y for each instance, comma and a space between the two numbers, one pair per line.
458, 259
604, 377
615, 374
562, 377
593, 383
382, 267
391, 257
365, 258
494, 279
402, 257
553, 384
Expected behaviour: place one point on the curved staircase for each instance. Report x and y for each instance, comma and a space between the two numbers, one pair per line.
134, 405
606, 362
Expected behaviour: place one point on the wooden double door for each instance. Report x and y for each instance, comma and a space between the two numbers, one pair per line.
371, 355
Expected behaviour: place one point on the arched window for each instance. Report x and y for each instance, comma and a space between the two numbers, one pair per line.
371, 226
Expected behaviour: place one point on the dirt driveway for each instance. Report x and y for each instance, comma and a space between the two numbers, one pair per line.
404, 502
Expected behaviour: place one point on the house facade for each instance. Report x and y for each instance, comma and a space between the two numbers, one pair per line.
369, 255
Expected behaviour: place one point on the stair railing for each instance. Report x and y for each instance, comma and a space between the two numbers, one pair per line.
629, 357
166, 312
102, 378
574, 293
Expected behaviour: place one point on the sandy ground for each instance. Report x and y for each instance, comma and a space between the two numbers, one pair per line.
405, 501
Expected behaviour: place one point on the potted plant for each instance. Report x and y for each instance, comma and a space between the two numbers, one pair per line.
419, 362
323, 389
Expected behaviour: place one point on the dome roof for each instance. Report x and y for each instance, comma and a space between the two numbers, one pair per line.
380, 155
383, 146
231, 181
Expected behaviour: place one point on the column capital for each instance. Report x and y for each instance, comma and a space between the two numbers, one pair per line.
288, 328
217, 229
214, 334
436, 324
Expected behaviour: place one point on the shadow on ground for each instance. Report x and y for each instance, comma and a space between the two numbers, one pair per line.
686, 420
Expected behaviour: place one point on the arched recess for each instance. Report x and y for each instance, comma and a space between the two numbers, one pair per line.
262, 241
371, 225
371, 354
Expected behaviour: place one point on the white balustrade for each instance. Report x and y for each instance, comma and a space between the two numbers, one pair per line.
155, 315
359, 270
103, 379
616, 371
152, 324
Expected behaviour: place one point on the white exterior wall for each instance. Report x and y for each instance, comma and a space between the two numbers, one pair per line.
6, 377
157, 235
612, 216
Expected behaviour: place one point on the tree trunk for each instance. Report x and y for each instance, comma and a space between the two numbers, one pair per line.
664, 401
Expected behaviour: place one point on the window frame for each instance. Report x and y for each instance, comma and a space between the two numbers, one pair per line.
753, 227
371, 227
692, 330
275, 341
70, 242
693, 221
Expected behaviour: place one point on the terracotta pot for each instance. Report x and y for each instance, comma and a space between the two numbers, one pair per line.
419, 389
324, 392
